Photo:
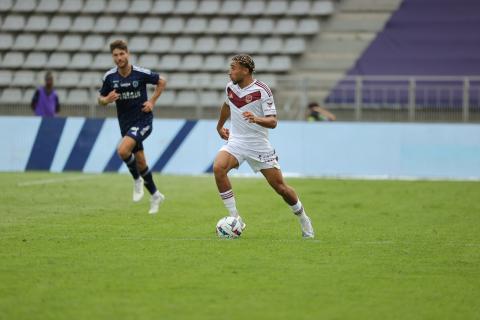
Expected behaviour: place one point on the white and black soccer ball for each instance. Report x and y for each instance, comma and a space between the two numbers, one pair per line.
229, 228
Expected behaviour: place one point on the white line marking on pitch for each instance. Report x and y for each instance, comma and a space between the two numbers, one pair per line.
50, 181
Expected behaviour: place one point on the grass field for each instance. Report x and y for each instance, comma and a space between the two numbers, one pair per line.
74, 246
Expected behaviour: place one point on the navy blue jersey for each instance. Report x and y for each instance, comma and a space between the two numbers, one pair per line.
133, 93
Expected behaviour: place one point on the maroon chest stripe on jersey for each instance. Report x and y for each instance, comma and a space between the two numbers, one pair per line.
241, 102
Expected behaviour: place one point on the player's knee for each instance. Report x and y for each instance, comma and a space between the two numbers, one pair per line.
219, 168
123, 153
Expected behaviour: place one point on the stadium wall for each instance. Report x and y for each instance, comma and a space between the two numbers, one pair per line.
375, 150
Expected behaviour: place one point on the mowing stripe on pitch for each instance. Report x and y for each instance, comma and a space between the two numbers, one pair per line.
84, 144
46, 143
174, 145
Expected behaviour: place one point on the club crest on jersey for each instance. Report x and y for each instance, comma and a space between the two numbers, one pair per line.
135, 84
248, 99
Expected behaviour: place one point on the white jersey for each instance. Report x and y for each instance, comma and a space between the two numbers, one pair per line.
258, 99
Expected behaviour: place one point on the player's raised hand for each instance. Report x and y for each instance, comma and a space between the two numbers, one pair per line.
250, 117
147, 106
224, 133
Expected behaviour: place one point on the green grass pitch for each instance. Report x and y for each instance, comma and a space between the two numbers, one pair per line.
74, 246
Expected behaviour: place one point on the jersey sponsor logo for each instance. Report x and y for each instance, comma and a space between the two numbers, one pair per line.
240, 102
128, 95
125, 85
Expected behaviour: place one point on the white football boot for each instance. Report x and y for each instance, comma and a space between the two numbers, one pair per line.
137, 189
307, 229
155, 202
244, 225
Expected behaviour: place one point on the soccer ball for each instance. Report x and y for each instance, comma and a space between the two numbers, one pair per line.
229, 228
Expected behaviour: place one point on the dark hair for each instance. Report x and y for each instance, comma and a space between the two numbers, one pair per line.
245, 60
312, 105
48, 75
118, 44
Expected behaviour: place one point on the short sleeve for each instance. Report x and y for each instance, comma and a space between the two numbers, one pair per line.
268, 105
150, 77
106, 87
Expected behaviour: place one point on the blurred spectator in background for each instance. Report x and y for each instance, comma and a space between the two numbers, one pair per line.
45, 100
317, 113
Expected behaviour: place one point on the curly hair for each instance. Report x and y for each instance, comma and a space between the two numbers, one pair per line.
245, 60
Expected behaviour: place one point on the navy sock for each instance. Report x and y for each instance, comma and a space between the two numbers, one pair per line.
148, 180
132, 166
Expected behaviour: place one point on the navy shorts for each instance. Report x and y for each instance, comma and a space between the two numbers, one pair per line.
138, 132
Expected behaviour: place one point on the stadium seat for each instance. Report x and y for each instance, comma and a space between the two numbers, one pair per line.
151, 25
93, 42
11, 95
68, 79
210, 98
80, 61
60, 23
285, 26
128, 25
71, 6
139, 44
261, 63
214, 63
227, 45
308, 27
271, 45
205, 45
35, 60
218, 26
105, 25
24, 41
5, 78
277, 8
200, 80
37, 23
294, 46
94, 6
173, 25
164, 7
79, 96
280, 64
27, 95
140, 6
185, 7
253, 8
91, 79
263, 26
219, 81
169, 62
6, 5
102, 61
231, 7
160, 45
191, 62
13, 59
179, 81
24, 6
322, 8
186, 99
70, 43
268, 79
195, 25
58, 60
23, 78
117, 6
82, 24
149, 61
208, 7
13, 23
299, 8
6, 41
48, 6
167, 98
240, 26
251, 45
47, 42
182, 45
62, 95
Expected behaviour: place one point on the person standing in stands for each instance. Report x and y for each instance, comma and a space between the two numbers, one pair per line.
45, 100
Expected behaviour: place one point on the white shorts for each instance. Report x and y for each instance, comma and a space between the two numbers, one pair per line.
256, 160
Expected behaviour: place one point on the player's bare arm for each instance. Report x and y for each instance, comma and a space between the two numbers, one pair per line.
224, 115
112, 96
267, 122
150, 103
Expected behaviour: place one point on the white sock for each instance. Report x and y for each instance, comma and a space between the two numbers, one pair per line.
229, 202
298, 210
156, 194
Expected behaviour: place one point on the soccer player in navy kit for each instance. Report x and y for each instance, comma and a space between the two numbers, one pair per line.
126, 85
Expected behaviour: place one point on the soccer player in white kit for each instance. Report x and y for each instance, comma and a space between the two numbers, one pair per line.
249, 103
